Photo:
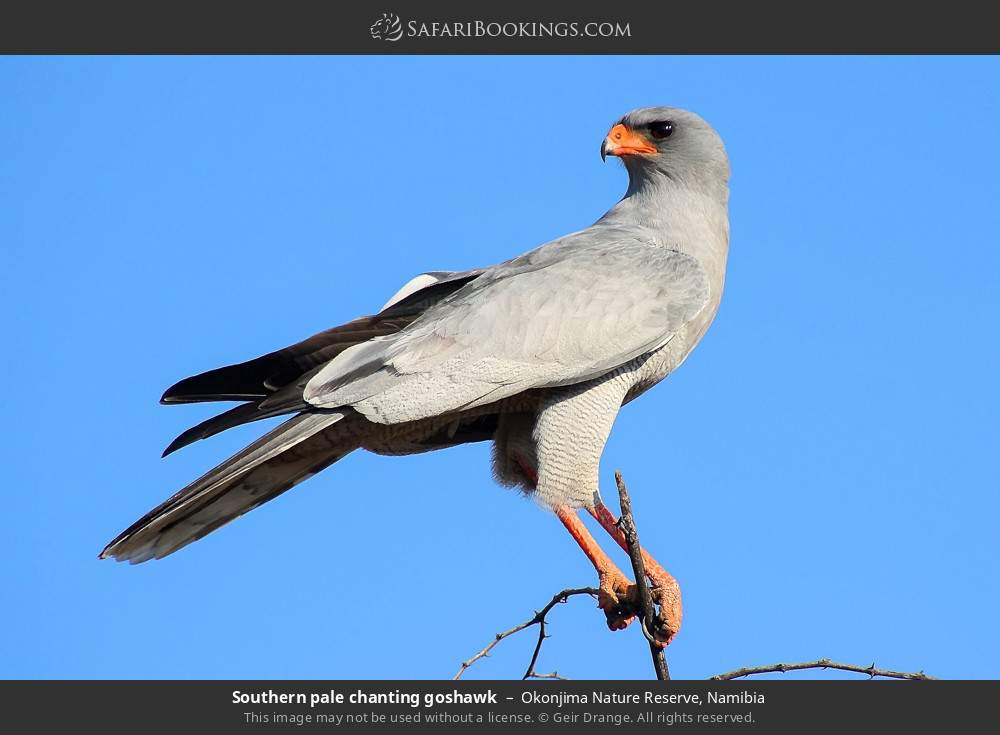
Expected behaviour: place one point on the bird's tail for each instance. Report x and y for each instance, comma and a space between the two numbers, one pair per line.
282, 458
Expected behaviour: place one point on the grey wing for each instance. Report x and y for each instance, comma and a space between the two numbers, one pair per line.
261, 377
272, 384
560, 315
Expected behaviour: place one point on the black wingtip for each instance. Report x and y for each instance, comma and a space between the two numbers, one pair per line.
245, 413
168, 396
188, 437
179, 392
176, 394
230, 383
195, 433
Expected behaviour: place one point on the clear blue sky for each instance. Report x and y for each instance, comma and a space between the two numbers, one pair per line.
821, 475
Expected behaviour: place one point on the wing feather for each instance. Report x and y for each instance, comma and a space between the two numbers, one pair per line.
262, 376
562, 314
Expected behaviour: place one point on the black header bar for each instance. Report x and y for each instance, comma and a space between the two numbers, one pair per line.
512, 27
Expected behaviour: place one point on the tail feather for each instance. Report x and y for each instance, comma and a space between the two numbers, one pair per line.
291, 453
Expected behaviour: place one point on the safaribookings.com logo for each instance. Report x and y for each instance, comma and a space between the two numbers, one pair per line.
390, 28
387, 28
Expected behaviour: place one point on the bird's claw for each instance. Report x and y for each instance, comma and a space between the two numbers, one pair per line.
666, 596
618, 598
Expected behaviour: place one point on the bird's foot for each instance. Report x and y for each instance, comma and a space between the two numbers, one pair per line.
618, 598
666, 594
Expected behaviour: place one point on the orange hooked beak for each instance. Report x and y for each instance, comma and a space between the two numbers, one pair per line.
624, 142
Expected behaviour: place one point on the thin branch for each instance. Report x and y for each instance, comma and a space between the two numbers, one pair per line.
550, 675
529, 672
822, 663
539, 620
647, 610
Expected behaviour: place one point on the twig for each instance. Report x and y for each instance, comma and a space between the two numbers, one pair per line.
550, 675
627, 525
539, 620
822, 663
530, 671
648, 610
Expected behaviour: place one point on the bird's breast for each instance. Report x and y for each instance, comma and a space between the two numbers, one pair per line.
650, 369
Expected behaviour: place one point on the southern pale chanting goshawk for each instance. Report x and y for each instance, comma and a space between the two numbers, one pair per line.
537, 354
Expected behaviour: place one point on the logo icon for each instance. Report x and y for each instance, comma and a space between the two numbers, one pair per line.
387, 28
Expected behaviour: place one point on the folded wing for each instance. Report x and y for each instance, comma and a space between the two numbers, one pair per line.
562, 314
272, 384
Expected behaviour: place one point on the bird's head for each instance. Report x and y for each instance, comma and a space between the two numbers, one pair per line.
670, 142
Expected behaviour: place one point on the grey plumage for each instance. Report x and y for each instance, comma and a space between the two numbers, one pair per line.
536, 353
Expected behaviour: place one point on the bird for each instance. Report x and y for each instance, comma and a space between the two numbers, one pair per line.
537, 354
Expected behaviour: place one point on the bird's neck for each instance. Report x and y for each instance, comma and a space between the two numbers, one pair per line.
675, 214
657, 201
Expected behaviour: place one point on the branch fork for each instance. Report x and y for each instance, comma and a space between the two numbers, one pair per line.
652, 623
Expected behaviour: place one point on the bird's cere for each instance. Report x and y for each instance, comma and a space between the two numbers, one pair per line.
622, 141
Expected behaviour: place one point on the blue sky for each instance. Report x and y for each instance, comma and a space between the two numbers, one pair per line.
821, 474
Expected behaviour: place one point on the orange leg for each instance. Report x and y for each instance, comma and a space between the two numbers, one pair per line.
617, 593
666, 592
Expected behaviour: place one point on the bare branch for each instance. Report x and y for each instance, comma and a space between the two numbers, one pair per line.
648, 620
822, 663
529, 673
539, 620
551, 675
627, 525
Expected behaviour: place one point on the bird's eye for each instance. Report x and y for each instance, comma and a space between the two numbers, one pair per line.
661, 129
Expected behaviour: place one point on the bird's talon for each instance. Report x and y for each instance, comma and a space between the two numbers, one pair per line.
616, 597
666, 596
